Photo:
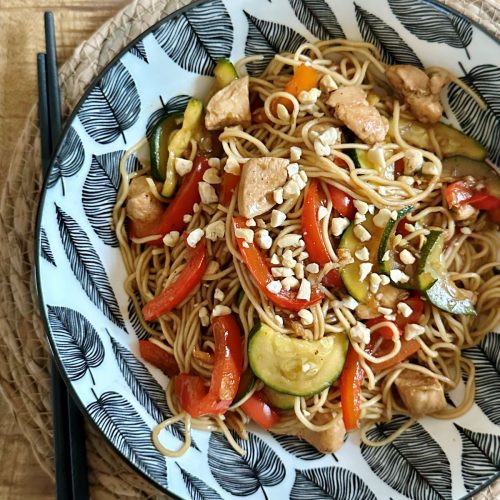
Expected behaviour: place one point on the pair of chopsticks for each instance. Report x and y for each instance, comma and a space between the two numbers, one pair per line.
69, 434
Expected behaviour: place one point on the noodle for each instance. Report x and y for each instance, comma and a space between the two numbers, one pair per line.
470, 259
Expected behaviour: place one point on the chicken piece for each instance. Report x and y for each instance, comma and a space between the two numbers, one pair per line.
259, 178
328, 441
421, 394
142, 206
420, 92
358, 114
229, 106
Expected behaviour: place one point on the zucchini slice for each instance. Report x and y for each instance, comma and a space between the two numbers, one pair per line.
452, 141
225, 72
247, 383
279, 400
179, 142
461, 166
361, 159
158, 144
433, 280
296, 366
360, 290
387, 245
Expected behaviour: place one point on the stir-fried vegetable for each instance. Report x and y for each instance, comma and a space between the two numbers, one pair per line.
177, 291
342, 202
260, 412
259, 268
190, 390
350, 390
154, 354
305, 78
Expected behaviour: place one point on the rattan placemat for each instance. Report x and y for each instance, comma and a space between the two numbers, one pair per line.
24, 357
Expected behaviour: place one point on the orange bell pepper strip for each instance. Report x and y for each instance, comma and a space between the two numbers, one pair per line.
259, 268
350, 390
190, 390
176, 292
304, 78
408, 348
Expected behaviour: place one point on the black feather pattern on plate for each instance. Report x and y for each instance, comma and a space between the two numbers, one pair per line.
139, 51
125, 428
329, 482
112, 107
140, 331
267, 39
198, 38
146, 389
77, 341
100, 190
480, 457
87, 267
413, 464
298, 448
393, 49
175, 105
45, 248
198, 490
486, 357
244, 475
482, 124
318, 18
423, 20
69, 159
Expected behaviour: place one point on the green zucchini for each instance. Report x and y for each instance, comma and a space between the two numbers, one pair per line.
279, 400
433, 280
361, 159
296, 366
225, 72
360, 290
240, 296
179, 142
461, 166
247, 383
387, 244
158, 144
451, 141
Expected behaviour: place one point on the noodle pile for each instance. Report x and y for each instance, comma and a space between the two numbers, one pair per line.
470, 258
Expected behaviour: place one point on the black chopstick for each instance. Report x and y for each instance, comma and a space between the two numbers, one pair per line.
69, 435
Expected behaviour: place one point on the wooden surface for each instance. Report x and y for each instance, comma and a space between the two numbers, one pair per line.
21, 37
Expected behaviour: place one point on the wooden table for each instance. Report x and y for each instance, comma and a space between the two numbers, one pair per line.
21, 37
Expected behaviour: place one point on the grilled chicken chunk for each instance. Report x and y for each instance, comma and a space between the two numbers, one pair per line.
362, 118
420, 92
229, 106
421, 394
328, 441
259, 178
142, 206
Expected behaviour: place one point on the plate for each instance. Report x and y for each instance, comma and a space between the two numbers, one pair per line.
92, 327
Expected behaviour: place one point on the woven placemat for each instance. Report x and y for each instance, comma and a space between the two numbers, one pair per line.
24, 356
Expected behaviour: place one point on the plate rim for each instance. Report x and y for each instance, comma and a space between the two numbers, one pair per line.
40, 302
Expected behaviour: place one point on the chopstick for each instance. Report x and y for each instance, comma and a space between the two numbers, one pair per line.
69, 434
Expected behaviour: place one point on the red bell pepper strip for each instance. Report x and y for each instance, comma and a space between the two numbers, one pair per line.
495, 215
401, 229
177, 291
158, 357
190, 390
229, 184
458, 193
311, 232
261, 273
408, 348
342, 202
260, 412
484, 201
172, 218
350, 390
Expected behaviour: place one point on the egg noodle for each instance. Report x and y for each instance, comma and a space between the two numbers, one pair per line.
470, 257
